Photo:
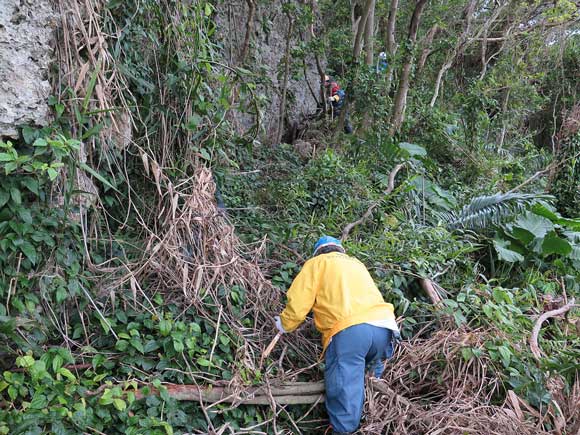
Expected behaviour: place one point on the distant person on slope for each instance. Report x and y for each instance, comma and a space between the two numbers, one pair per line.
357, 326
382, 63
336, 99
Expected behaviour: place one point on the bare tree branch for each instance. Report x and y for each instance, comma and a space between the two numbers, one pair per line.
535, 348
347, 229
249, 29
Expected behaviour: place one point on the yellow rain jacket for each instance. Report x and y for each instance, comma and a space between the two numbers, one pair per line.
341, 293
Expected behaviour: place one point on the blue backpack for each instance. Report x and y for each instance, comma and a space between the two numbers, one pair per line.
341, 94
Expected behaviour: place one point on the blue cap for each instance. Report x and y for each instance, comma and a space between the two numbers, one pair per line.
326, 241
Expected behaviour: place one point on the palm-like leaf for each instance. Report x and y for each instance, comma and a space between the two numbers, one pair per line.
484, 212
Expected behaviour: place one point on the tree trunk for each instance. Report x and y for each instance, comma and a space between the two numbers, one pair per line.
369, 34
249, 30
285, 81
358, 40
390, 42
392, 20
427, 47
398, 113
460, 46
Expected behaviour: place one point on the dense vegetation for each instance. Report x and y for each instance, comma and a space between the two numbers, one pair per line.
119, 274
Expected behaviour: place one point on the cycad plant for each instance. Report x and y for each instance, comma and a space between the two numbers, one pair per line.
485, 212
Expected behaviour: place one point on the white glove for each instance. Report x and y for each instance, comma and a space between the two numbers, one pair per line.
279, 324
331, 99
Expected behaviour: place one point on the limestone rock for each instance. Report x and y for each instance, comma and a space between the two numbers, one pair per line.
266, 54
26, 35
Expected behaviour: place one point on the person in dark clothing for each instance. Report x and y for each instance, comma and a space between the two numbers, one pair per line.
336, 98
382, 64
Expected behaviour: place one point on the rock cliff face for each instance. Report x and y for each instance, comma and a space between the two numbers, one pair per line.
26, 35
266, 59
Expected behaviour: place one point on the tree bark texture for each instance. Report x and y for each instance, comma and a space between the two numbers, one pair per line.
291, 393
285, 81
427, 47
391, 22
249, 30
369, 34
399, 107
358, 40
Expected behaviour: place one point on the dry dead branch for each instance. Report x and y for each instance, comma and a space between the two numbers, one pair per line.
347, 229
535, 348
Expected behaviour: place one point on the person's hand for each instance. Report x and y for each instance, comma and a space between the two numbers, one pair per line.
331, 99
279, 326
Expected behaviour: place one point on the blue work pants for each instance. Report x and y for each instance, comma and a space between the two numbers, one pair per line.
348, 355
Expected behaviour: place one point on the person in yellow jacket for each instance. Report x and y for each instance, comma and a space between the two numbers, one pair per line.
357, 326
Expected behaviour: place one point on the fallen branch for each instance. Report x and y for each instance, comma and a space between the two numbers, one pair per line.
535, 348
270, 347
347, 229
427, 286
291, 393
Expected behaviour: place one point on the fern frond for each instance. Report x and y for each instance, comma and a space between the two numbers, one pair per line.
484, 212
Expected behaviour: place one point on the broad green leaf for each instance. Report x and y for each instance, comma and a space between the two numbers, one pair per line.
57, 363
40, 142
9, 167
29, 134
505, 355
5, 157
542, 210
121, 345
538, 226
4, 197
522, 235
31, 184
555, 245
61, 295
178, 345
52, 173
25, 361
413, 149
203, 362
16, 196
30, 252
38, 401
67, 374
136, 343
506, 254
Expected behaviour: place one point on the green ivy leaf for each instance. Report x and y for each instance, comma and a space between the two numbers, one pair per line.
67, 374
52, 173
16, 196
40, 142
505, 355
25, 361
57, 363
203, 362
136, 343
31, 184
29, 250
4, 197
29, 134
61, 295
